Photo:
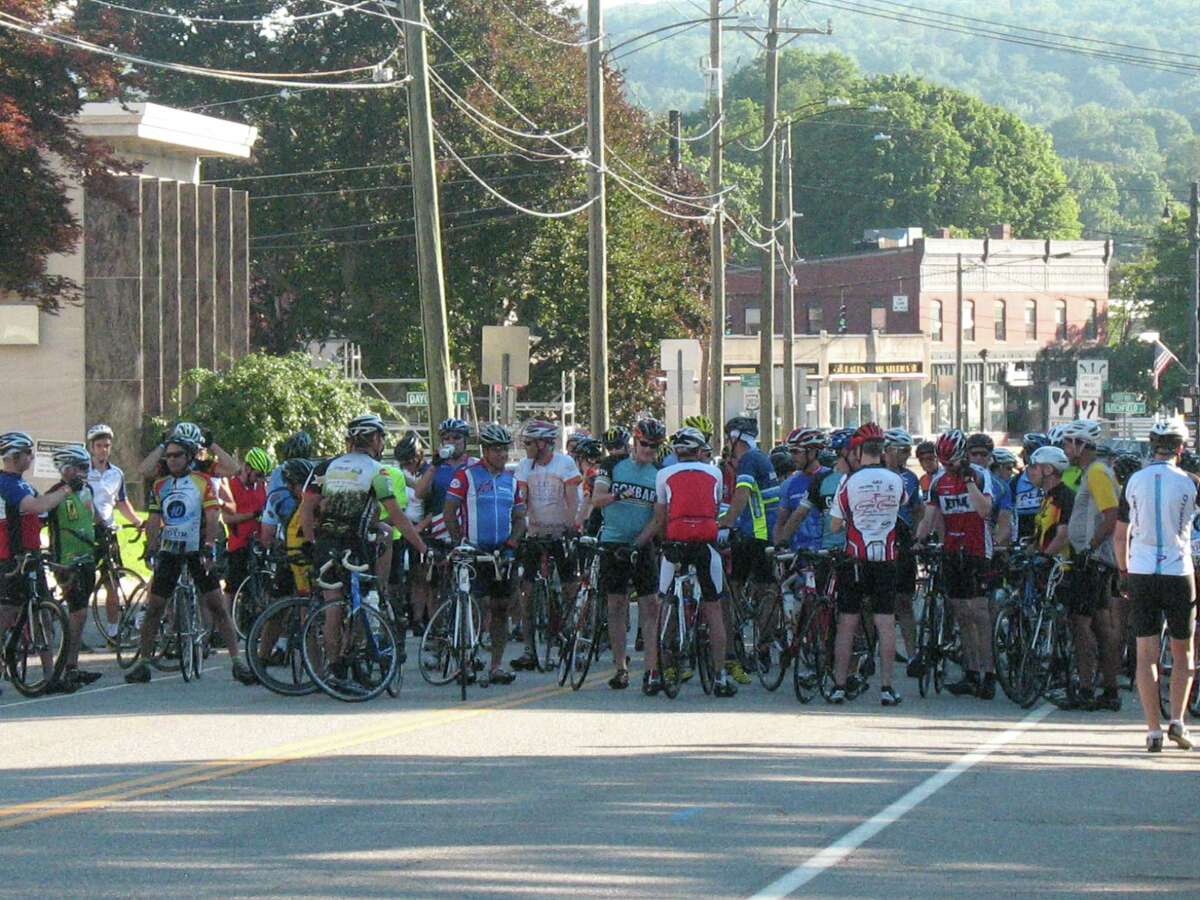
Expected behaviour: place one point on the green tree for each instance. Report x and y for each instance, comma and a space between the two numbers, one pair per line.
263, 398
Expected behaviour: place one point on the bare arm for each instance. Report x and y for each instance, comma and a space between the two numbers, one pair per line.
1004, 529
212, 525
980, 502
571, 490
932, 521
785, 528
308, 516
741, 496
130, 513
602, 495
1058, 542
1104, 531
148, 467
42, 504
450, 514
424, 483
1121, 545
398, 519
224, 464
153, 527
518, 526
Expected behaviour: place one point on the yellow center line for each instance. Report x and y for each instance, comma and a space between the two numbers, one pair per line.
130, 789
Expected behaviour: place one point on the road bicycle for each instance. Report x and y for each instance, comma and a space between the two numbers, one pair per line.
546, 602
254, 593
1047, 668
683, 640
117, 586
1013, 631
450, 646
588, 623
937, 639
35, 645
182, 641
777, 626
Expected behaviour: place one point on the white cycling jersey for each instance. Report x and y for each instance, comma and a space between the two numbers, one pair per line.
547, 488
1162, 504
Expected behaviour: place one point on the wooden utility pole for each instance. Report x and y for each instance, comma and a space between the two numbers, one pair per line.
767, 208
597, 226
716, 352
675, 123
790, 419
1194, 259
432, 277
958, 347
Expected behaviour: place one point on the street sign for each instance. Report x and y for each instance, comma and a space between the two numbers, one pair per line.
1087, 408
418, 398
1087, 385
462, 398
1092, 367
899, 303
1125, 408
505, 355
670, 350
1125, 397
751, 381
1062, 402
751, 398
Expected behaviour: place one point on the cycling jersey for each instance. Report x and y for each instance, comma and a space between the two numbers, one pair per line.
279, 504
443, 474
868, 502
791, 494
108, 489
1071, 476
399, 491
1097, 493
73, 526
912, 494
181, 502
486, 503
691, 491
19, 531
924, 481
547, 487
351, 488
633, 485
1027, 501
1002, 496
1162, 504
246, 499
414, 507
757, 475
821, 492
966, 530
1053, 510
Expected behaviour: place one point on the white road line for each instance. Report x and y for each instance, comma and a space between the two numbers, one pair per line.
848, 843
83, 693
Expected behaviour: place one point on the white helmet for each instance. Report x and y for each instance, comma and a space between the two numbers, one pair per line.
99, 430
1002, 456
897, 437
1056, 435
1086, 430
1169, 428
1050, 456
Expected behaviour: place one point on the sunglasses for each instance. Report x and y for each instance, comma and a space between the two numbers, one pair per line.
175, 454
648, 444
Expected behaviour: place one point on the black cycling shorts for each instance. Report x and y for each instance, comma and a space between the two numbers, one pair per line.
168, 567
963, 575
497, 588
1088, 586
1155, 597
867, 582
237, 568
619, 576
906, 573
749, 562
77, 586
531, 558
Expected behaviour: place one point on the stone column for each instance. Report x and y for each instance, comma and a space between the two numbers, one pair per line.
168, 204
223, 276
152, 396
189, 307
206, 282
241, 273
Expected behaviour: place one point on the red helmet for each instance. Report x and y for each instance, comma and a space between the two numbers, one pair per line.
950, 446
807, 438
868, 432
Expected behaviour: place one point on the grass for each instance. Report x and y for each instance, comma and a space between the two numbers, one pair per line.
133, 545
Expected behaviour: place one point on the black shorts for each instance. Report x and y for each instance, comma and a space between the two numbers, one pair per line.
12, 584
1155, 597
167, 568
704, 557
497, 588
237, 568
906, 573
77, 586
619, 576
873, 582
333, 550
748, 561
1089, 586
963, 575
555, 548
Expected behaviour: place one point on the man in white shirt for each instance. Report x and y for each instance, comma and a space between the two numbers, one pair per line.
107, 482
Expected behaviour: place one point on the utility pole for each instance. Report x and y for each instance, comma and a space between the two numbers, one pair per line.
597, 226
958, 348
432, 277
1194, 254
790, 419
716, 353
675, 123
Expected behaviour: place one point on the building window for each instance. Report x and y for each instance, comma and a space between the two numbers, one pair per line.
753, 319
1091, 327
816, 319
968, 322
879, 318
1031, 320
1060, 320
1001, 321
935, 320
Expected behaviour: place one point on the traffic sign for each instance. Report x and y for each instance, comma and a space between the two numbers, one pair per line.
751, 381
462, 398
1125, 408
751, 398
1062, 402
1092, 367
1087, 408
1125, 397
418, 398
1087, 385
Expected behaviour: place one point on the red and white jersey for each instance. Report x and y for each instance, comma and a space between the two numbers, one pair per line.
869, 502
966, 530
546, 490
692, 493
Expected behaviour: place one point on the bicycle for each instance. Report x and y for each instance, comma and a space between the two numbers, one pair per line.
590, 618
777, 627
1048, 665
35, 645
817, 614
936, 635
360, 658
681, 638
1166, 668
191, 637
281, 670
116, 585
546, 602
254, 593
1012, 633
450, 645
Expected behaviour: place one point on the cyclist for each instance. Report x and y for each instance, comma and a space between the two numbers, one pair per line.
616, 440
107, 482
249, 498
1027, 496
959, 508
704, 425
820, 495
805, 445
1045, 471
781, 462
589, 453
1004, 462
280, 503
1162, 504
411, 458
573, 439
928, 461
1057, 437
1093, 520
551, 480
867, 507
184, 523
980, 449
625, 496
73, 544
485, 506
687, 498
451, 456
897, 446
210, 458
751, 512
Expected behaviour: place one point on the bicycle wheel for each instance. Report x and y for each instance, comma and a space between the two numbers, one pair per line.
741, 636
804, 668
938, 655
1166, 666
366, 658
129, 634
34, 652
704, 666
583, 647
249, 601
436, 658
925, 631
554, 623
281, 668
772, 644
1010, 640
123, 587
823, 629
185, 635
538, 625
670, 650
1063, 687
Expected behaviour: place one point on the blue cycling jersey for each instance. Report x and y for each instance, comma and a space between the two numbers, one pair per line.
791, 494
486, 503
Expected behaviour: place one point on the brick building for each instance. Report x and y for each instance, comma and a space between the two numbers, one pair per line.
885, 320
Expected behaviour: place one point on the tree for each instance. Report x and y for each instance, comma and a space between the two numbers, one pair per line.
262, 399
43, 86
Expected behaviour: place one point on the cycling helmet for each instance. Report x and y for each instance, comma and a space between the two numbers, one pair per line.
407, 447
781, 461
1055, 435
298, 446
1085, 430
1033, 440
1050, 456
99, 430
897, 439
1126, 464
187, 433
538, 430
651, 431
807, 439
258, 460
742, 427
703, 424
926, 448
616, 437
590, 449
951, 446
15, 442
456, 427
1189, 462
840, 439
867, 432
297, 470
71, 455
495, 435
689, 439
827, 458
979, 440
577, 435
189, 446
1169, 428
1002, 456
364, 426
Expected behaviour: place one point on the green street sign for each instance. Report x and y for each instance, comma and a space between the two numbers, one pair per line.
1125, 408
417, 398
751, 381
1125, 397
462, 398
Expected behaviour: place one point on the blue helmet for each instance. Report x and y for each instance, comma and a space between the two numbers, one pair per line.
840, 439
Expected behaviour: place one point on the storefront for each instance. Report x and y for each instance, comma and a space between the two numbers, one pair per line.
888, 393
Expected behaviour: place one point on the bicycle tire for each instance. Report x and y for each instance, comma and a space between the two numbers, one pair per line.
704, 664
1063, 687
129, 635
436, 659
299, 684
670, 653
1010, 640
555, 601
129, 587
184, 636
1166, 668
804, 666
249, 600
49, 633
464, 669
775, 635
362, 681
937, 665
742, 616
924, 630
583, 647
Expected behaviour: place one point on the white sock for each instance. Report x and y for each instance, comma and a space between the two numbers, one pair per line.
1178, 722
110, 629
1154, 734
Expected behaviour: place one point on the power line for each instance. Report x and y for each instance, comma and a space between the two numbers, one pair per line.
341, 169
388, 187
384, 238
547, 37
379, 224
266, 18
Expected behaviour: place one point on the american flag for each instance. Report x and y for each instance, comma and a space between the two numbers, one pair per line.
1162, 361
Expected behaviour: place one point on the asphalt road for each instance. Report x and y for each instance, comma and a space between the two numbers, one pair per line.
215, 789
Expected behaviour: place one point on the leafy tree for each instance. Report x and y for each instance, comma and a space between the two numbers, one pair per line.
43, 86
263, 398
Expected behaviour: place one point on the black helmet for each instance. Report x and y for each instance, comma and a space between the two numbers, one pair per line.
979, 440
590, 449
407, 447
1126, 464
298, 446
649, 430
616, 437
297, 470
742, 427
781, 460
